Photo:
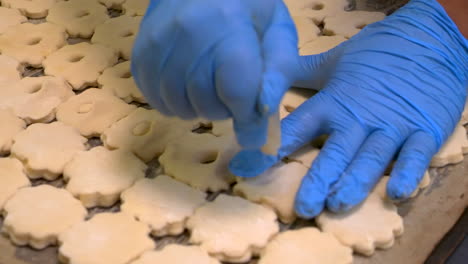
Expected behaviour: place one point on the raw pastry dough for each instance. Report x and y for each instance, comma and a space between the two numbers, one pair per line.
381, 187
79, 17
176, 254
305, 155
162, 203
30, 43
11, 126
292, 99
93, 111
306, 29
44, 149
200, 160
118, 33
105, 239
135, 7
305, 246
464, 118
321, 44
119, 80
35, 216
31, 8
98, 177
10, 17
12, 178
348, 24
316, 9
275, 188
11, 70
232, 229
114, 4
453, 149
80, 64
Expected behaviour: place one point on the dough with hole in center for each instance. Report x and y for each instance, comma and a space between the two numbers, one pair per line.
119, 80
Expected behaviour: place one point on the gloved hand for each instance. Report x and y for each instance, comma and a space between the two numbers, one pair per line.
396, 88
217, 59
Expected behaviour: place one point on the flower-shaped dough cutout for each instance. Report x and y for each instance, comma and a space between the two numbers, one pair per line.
321, 44
135, 7
97, 177
11, 126
145, 132
106, 238
44, 149
348, 24
306, 30
453, 149
35, 99
31, 43
305, 246
232, 229
275, 188
118, 33
317, 10
53, 212
10, 17
119, 80
12, 179
31, 8
93, 111
177, 254
79, 17
11, 71
163, 203
80, 64
200, 160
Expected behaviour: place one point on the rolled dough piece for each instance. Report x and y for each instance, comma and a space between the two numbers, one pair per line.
464, 119
317, 10
31, 8
119, 80
305, 155
118, 33
31, 43
106, 238
10, 17
348, 24
305, 246
80, 64
200, 160
44, 149
162, 203
11, 126
276, 188
113, 4
53, 211
232, 229
306, 29
135, 7
93, 111
453, 149
321, 44
79, 17
98, 177
11, 71
12, 179
177, 254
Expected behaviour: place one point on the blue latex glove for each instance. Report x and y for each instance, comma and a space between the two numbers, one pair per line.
217, 59
396, 88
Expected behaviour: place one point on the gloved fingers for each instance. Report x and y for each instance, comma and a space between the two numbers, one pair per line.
412, 162
364, 171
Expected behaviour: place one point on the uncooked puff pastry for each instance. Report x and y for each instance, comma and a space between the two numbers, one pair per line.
12, 178
200, 160
11, 126
119, 80
35, 99
232, 229
348, 24
321, 44
31, 8
176, 254
105, 239
316, 9
118, 33
11, 70
453, 149
44, 149
162, 203
98, 176
114, 4
10, 17
93, 111
30, 43
35, 216
275, 188
306, 29
135, 7
79, 17
306, 246
80, 64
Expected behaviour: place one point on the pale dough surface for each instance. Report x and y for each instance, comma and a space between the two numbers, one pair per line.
31, 8
275, 188
36, 216
11, 126
464, 118
44, 149
321, 44
97, 177
115, 4
381, 187
348, 24
232, 229
118, 33
176, 254
305, 155
163, 203
291, 100
135, 7
453, 149
93, 111
306, 246
106, 238
10, 17
80, 64
12, 178
317, 10
11, 70
306, 29
79, 17
119, 80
